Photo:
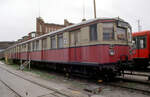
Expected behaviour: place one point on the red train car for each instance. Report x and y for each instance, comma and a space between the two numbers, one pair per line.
95, 47
2, 54
141, 53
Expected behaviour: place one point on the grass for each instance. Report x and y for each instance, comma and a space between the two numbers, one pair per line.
132, 85
42, 74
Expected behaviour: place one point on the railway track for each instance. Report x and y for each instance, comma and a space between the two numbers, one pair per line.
129, 88
139, 73
114, 84
131, 84
17, 94
55, 93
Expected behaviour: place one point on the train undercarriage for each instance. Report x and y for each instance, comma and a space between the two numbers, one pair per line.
105, 72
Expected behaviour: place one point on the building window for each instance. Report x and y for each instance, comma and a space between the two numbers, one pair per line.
108, 31
40, 28
93, 32
49, 29
32, 35
46, 29
53, 42
60, 41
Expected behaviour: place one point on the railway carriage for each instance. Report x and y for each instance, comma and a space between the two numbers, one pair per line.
141, 52
1, 54
94, 47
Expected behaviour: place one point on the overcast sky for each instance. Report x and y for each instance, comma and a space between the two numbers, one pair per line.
18, 17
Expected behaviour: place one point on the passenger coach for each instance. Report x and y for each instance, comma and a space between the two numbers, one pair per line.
141, 52
93, 47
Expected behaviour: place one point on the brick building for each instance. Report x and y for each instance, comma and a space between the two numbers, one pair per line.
43, 28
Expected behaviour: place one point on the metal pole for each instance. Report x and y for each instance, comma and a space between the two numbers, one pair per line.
29, 63
83, 9
94, 9
139, 27
39, 8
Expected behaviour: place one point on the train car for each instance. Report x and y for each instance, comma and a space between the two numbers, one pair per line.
94, 48
141, 52
2, 54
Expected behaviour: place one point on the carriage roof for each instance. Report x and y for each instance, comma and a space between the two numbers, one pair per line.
66, 28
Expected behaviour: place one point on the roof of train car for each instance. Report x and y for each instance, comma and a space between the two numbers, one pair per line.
66, 28
141, 33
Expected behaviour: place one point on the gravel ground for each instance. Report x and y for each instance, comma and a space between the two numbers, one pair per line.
6, 92
105, 90
80, 84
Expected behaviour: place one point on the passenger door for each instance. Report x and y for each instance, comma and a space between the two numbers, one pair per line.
141, 47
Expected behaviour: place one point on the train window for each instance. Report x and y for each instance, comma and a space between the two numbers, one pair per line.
74, 36
37, 44
93, 32
129, 34
108, 31
134, 42
29, 46
121, 33
24, 47
60, 41
33, 46
53, 42
44, 43
142, 42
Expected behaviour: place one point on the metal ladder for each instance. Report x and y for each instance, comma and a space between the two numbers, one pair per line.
25, 64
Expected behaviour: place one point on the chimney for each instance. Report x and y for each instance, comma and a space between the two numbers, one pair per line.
83, 20
39, 26
66, 22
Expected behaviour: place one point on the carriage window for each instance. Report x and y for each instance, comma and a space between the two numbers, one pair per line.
44, 43
142, 42
108, 31
24, 46
53, 42
93, 32
135, 45
121, 34
60, 41
29, 46
129, 34
33, 46
37, 44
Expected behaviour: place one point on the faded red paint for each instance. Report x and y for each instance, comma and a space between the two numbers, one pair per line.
142, 53
88, 54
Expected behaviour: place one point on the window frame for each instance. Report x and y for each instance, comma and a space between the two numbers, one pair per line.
58, 37
91, 33
126, 38
112, 33
37, 46
44, 43
137, 41
53, 37
143, 37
